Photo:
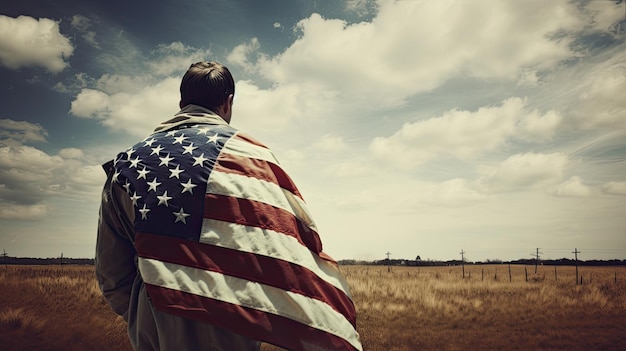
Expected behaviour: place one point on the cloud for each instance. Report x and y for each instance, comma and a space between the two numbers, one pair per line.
136, 103
82, 24
21, 131
412, 47
174, 58
30, 177
359, 7
273, 110
239, 55
23, 212
26, 174
614, 188
329, 143
136, 113
527, 171
74, 84
600, 103
573, 187
464, 134
537, 127
604, 14
453, 192
72, 153
28, 42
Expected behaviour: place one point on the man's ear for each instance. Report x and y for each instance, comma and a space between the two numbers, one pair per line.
227, 107
229, 102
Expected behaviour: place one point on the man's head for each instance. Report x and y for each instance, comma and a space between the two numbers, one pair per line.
210, 85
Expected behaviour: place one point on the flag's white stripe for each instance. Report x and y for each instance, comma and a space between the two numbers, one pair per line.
272, 244
268, 299
244, 148
244, 187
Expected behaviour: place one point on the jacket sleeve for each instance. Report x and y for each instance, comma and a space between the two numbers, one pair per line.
115, 252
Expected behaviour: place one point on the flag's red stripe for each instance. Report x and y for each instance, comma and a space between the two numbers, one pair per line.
255, 324
256, 168
249, 139
263, 269
261, 215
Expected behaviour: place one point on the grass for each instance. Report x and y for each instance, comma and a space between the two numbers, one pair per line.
409, 308
434, 308
56, 308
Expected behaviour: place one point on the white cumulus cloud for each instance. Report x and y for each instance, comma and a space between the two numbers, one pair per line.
526, 171
416, 46
28, 42
136, 112
22, 131
614, 188
572, 187
464, 134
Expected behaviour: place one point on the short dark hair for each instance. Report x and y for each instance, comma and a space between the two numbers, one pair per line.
206, 84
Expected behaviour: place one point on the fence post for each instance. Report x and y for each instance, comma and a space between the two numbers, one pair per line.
526, 273
556, 279
510, 277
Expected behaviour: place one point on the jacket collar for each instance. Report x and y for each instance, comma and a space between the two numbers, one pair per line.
191, 114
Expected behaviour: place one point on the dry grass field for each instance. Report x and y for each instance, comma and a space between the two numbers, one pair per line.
409, 308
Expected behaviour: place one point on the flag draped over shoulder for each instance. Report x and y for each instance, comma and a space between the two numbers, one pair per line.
224, 236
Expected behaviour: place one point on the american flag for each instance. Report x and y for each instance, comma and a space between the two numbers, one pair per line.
223, 236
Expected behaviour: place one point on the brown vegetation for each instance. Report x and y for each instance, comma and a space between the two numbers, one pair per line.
409, 308
56, 308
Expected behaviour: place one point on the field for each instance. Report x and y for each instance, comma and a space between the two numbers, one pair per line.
407, 308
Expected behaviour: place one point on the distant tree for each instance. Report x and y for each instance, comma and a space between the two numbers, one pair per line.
418, 258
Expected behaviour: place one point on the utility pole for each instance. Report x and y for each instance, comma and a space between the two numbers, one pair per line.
388, 262
536, 254
463, 262
576, 252
4, 254
61, 258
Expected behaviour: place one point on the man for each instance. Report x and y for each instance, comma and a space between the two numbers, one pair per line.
205, 243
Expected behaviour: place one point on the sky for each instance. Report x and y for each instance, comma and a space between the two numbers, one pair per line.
492, 127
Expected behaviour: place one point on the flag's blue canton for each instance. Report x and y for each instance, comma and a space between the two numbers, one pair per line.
166, 175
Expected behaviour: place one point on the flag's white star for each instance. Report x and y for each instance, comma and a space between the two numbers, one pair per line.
149, 142
180, 216
200, 160
189, 148
203, 130
144, 212
129, 152
135, 162
115, 175
142, 173
176, 172
156, 150
179, 139
188, 186
134, 198
165, 160
153, 185
163, 199
171, 133
212, 139
126, 186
